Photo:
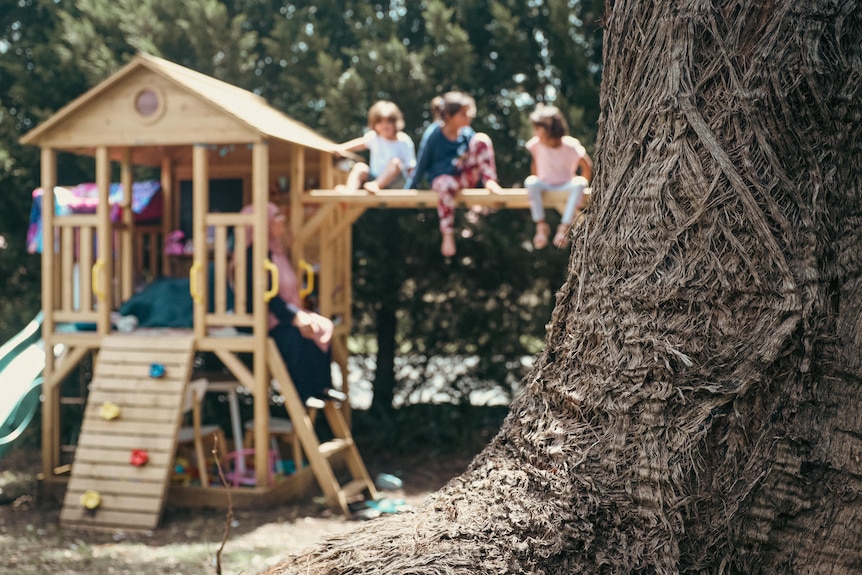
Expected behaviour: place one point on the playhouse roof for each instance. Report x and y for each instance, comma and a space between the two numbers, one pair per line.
152, 102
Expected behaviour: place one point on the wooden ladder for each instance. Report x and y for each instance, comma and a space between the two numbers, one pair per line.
148, 416
320, 455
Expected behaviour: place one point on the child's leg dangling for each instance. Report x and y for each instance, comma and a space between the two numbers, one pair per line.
447, 188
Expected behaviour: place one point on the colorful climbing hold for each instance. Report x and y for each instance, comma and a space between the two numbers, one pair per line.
109, 411
139, 457
91, 499
157, 370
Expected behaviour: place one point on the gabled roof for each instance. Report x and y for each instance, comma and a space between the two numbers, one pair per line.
243, 106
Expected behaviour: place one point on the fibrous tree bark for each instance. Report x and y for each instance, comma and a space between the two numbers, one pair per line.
697, 408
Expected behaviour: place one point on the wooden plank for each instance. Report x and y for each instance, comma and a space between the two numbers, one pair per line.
77, 221
150, 416
231, 319
152, 443
237, 344
136, 383
77, 317
172, 372
139, 341
163, 415
100, 396
510, 198
133, 488
116, 501
99, 454
134, 428
83, 470
85, 265
67, 256
143, 356
108, 519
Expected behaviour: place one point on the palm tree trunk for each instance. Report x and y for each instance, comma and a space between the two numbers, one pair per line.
696, 409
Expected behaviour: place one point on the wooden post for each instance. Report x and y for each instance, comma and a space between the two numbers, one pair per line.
297, 187
168, 224
327, 178
260, 199
105, 277
127, 229
50, 413
200, 208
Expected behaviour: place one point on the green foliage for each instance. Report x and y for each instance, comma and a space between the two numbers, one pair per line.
325, 63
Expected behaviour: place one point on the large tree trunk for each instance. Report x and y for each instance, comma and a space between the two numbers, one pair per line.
697, 408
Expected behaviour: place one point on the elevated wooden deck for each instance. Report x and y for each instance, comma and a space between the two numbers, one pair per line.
514, 198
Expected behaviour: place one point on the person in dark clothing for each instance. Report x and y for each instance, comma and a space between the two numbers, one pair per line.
303, 337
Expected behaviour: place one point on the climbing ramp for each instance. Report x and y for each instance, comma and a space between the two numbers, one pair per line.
125, 454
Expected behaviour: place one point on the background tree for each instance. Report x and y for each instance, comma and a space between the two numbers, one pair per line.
30, 69
325, 63
696, 409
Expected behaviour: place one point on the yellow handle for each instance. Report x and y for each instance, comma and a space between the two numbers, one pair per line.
273, 272
309, 278
193, 282
95, 276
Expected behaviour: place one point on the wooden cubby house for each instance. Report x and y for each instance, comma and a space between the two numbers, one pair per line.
214, 145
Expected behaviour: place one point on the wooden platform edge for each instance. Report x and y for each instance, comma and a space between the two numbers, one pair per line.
507, 197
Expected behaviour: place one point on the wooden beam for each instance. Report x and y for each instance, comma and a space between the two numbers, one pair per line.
260, 389
314, 222
105, 244
238, 369
297, 186
513, 198
327, 179
343, 226
127, 231
50, 411
168, 219
197, 275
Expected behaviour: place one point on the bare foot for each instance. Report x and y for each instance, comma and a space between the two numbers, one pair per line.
493, 187
447, 247
372, 187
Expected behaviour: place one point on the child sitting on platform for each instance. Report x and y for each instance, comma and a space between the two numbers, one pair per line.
391, 152
557, 158
452, 157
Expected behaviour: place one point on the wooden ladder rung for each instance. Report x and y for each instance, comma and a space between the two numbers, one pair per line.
354, 488
333, 446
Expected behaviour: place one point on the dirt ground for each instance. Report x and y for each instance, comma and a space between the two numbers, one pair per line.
187, 540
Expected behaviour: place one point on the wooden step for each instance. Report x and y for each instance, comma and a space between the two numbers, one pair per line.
335, 446
354, 488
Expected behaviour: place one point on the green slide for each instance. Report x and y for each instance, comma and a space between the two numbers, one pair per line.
22, 359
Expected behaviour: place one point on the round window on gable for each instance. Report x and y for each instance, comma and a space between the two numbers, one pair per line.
149, 104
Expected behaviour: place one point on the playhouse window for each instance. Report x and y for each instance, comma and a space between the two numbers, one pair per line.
148, 104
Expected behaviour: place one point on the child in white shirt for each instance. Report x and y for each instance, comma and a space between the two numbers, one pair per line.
557, 159
391, 152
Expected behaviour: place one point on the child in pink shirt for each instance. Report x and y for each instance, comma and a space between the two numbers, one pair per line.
557, 159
